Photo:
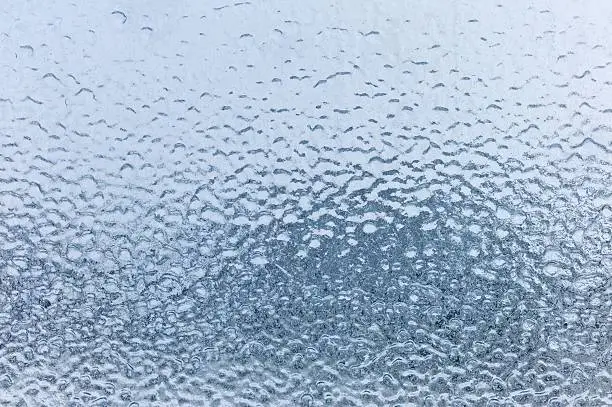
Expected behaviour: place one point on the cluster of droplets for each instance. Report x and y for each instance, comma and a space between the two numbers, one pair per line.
248, 204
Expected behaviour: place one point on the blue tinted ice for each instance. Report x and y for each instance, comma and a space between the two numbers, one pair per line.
275, 203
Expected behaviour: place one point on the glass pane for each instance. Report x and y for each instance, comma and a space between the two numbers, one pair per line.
382, 203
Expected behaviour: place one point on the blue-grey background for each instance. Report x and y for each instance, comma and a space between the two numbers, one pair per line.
276, 203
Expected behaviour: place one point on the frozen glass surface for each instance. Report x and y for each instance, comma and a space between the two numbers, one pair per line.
305, 203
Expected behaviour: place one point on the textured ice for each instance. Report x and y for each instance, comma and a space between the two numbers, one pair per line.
277, 203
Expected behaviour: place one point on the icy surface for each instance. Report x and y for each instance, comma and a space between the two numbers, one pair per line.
309, 203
